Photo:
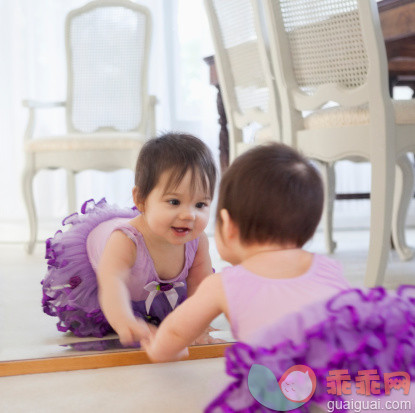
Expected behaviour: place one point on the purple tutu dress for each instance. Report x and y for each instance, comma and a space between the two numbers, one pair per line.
354, 330
70, 289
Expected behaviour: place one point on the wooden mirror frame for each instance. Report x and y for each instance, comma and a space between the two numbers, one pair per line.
99, 360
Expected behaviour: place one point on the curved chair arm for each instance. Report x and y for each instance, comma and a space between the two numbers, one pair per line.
151, 125
32, 105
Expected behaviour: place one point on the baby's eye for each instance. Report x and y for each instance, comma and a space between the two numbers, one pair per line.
173, 202
201, 205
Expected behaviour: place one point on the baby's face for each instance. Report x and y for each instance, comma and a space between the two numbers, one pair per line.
178, 215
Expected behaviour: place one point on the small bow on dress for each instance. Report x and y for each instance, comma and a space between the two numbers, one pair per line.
168, 289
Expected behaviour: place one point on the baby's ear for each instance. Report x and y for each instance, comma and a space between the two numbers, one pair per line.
229, 228
137, 200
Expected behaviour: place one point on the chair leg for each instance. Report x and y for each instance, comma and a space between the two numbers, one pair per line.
71, 190
329, 179
27, 186
382, 185
235, 137
404, 189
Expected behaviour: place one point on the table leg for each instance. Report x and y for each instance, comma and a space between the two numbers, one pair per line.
223, 134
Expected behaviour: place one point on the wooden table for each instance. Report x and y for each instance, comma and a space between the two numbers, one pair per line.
223, 122
397, 18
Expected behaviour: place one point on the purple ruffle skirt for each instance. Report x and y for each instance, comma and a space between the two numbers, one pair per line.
355, 330
70, 289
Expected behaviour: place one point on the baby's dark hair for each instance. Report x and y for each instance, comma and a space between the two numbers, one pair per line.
178, 153
273, 194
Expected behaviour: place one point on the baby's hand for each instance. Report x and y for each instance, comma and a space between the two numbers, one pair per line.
148, 344
133, 331
206, 338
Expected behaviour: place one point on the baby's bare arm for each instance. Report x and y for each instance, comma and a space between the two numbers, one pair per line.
202, 266
114, 268
181, 327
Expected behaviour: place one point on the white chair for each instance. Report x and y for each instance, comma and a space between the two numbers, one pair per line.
244, 74
333, 51
109, 113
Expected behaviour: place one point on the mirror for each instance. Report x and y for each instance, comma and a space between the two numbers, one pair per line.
29, 340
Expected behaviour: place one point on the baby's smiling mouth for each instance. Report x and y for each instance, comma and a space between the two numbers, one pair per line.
181, 230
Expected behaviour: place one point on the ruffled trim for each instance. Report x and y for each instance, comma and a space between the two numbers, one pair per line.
70, 273
360, 330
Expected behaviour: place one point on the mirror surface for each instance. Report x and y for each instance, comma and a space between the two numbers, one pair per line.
40, 71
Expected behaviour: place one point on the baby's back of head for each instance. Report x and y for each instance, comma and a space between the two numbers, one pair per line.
273, 194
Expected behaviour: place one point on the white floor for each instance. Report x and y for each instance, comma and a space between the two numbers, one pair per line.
172, 387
